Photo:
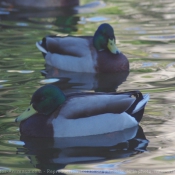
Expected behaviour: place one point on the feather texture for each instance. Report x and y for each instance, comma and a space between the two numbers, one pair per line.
81, 114
84, 53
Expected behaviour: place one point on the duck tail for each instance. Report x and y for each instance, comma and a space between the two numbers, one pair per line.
137, 108
40, 46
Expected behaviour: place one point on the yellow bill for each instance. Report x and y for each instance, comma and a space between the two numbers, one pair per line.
112, 46
26, 114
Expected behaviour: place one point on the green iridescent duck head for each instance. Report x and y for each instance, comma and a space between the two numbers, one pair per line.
44, 101
104, 39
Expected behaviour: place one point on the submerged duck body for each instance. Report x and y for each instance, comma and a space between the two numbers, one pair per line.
91, 54
53, 114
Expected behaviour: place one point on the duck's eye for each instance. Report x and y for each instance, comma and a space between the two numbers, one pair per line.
28, 109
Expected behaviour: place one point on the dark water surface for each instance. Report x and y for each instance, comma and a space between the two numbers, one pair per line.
145, 32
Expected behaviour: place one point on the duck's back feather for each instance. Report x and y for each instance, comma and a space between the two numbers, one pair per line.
135, 101
92, 105
69, 53
75, 46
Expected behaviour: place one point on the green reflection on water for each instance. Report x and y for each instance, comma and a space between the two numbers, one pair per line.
138, 26
110, 10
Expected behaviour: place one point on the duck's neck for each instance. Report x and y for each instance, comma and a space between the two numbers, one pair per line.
58, 100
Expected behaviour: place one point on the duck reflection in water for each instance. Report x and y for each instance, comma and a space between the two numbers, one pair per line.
101, 82
56, 153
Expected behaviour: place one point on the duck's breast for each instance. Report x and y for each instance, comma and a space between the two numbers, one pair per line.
109, 62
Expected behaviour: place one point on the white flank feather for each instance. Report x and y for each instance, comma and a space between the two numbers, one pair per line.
71, 63
99, 124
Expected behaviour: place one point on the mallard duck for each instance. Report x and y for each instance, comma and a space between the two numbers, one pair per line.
91, 54
54, 114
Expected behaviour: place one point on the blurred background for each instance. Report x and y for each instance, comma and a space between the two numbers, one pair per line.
145, 33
